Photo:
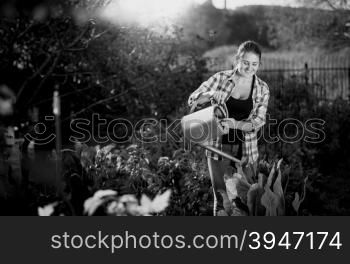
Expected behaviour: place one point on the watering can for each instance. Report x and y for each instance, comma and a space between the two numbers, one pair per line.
202, 127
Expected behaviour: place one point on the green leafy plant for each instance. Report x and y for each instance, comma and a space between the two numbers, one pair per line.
265, 196
106, 202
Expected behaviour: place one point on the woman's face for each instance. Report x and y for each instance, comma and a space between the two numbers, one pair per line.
248, 64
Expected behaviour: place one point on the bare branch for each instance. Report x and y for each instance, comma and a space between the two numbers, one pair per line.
330, 4
90, 86
78, 38
99, 102
145, 86
47, 75
25, 31
35, 74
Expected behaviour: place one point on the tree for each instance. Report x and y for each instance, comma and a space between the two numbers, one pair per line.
341, 35
99, 67
333, 4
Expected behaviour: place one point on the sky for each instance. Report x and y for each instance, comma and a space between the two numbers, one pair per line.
232, 4
145, 12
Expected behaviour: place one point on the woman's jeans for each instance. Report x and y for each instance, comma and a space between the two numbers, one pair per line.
219, 170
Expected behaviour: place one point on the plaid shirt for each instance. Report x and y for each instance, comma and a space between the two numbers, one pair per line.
224, 81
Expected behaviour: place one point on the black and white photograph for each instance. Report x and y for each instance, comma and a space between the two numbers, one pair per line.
174, 108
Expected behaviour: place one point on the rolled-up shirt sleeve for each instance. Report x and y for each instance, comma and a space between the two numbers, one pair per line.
259, 118
211, 84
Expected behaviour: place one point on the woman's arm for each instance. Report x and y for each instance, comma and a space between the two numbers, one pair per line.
245, 126
204, 97
259, 117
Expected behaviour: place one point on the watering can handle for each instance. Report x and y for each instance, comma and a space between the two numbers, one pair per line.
194, 106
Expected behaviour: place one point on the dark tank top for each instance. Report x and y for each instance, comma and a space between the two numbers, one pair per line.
239, 110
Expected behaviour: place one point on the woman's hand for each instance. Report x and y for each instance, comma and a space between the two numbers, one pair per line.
228, 123
204, 98
219, 96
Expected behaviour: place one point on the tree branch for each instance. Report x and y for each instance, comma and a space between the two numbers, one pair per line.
330, 4
77, 39
106, 100
99, 102
35, 74
47, 75
25, 31
78, 90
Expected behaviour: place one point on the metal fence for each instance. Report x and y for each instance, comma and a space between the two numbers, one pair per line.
325, 83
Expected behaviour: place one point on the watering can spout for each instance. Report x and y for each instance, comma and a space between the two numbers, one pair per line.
221, 153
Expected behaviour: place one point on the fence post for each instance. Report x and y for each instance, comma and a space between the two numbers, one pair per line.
57, 113
306, 74
349, 83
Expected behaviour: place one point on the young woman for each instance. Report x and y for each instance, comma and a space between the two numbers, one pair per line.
245, 97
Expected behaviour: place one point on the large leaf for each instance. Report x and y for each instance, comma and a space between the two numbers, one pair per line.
270, 201
278, 191
157, 205
285, 177
94, 202
237, 186
226, 203
271, 175
253, 200
242, 188
273, 201
279, 163
237, 211
298, 200
47, 210
261, 180
231, 188
160, 202
249, 172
